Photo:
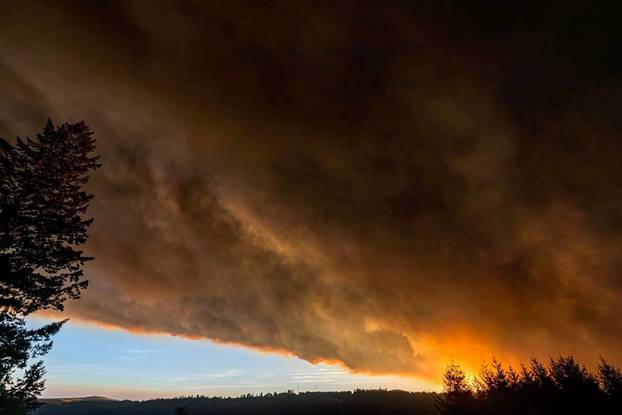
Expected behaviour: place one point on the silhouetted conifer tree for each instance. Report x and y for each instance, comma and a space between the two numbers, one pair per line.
42, 202
458, 397
611, 382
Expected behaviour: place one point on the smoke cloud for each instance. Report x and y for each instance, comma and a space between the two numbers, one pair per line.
387, 186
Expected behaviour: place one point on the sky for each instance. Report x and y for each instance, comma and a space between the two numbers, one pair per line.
88, 360
384, 186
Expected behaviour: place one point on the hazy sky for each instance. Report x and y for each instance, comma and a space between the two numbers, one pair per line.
386, 185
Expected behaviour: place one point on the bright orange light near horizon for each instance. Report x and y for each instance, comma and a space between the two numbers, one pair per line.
460, 346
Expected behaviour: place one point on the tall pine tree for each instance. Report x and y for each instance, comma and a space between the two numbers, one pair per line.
42, 224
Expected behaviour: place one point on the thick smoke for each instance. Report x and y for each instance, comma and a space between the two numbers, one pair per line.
385, 185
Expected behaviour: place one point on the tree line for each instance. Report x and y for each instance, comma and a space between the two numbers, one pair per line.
357, 402
560, 386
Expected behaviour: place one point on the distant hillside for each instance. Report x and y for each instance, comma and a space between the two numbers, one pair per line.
58, 401
310, 403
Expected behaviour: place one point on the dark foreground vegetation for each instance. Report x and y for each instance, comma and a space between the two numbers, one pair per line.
562, 386
358, 402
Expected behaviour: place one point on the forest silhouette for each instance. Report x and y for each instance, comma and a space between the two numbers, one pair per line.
563, 386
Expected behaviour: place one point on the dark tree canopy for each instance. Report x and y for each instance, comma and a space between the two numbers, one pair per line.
42, 203
561, 387
41, 206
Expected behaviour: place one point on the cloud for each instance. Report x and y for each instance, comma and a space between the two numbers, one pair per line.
384, 186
